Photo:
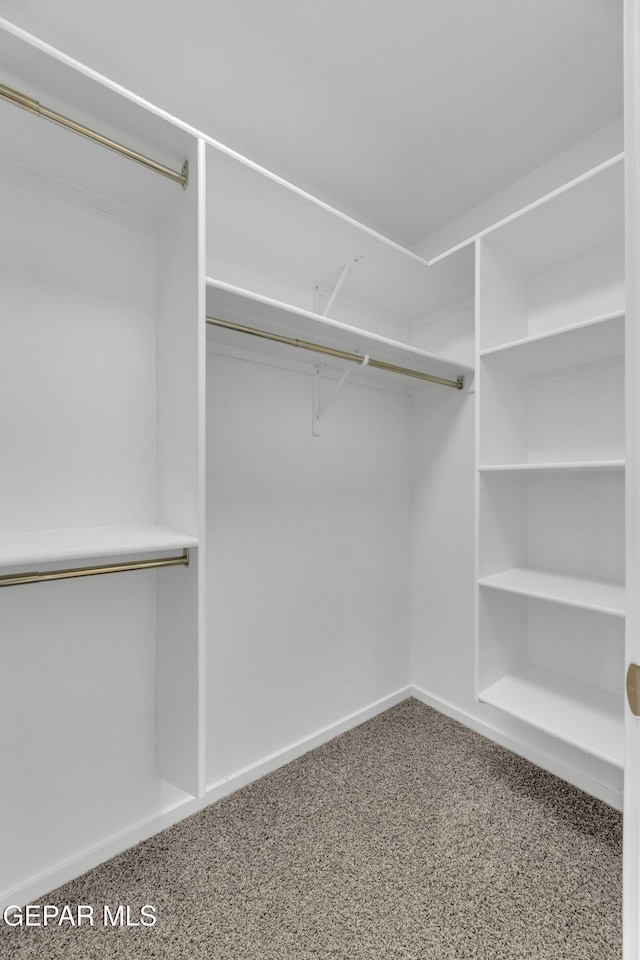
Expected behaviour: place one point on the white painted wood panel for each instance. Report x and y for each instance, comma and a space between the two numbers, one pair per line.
308, 557
179, 354
631, 838
50, 546
558, 264
569, 523
568, 224
596, 339
601, 595
442, 546
575, 642
449, 333
580, 714
576, 524
589, 285
573, 413
180, 382
179, 746
78, 366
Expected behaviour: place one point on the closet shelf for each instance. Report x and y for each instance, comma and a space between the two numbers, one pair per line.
254, 216
581, 714
598, 595
569, 466
69, 164
565, 225
25, 102
52, 546
597, 339
227, 302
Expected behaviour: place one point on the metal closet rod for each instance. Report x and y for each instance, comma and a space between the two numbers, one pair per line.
13, 579
28, 103
341, 354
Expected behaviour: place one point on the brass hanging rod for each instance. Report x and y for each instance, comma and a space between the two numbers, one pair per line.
28, 103
341, 354
13, 579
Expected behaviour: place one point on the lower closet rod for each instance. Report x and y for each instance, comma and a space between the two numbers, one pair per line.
13, 579
341, 354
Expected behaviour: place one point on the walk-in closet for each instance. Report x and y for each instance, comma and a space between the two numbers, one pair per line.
270, 469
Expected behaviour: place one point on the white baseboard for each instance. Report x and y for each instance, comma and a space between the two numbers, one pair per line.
38, 886
221, 788
565, 771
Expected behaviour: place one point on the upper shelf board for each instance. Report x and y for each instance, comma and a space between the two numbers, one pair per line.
259, 219
226, 302
52, 546
39, 146
597, 339
581, 218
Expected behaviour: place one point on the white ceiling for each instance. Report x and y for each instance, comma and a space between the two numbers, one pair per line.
405, 112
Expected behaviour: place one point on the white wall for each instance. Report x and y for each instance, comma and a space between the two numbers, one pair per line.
308, 557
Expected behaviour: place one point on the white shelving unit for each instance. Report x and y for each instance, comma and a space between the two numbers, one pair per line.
101, 378
550, 470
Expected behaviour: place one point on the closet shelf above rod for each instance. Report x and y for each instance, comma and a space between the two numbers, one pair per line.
14, 579
33, 106
340, 354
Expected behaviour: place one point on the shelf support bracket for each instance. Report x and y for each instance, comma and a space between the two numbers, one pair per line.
318, 408
336, 290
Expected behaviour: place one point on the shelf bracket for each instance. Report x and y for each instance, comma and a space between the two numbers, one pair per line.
318, 408
336, 290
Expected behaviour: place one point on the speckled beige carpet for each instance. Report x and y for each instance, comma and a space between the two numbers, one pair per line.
409, 837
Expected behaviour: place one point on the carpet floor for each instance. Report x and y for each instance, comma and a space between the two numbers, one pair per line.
409, 837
